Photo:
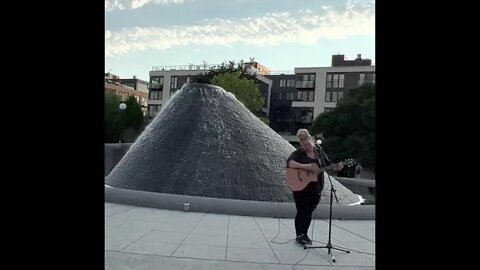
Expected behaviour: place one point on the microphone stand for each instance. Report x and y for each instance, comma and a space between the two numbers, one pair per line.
329, 245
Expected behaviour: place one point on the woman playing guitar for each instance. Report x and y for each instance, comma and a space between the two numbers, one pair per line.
305, 178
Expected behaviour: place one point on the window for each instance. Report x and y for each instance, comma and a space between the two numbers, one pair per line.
279, 96
368, 77
173, 83
371, 77
329, 81
287, 83
328, 109
156, 82
328, 96
153, 110
335, 81
305, 95
340, 95
300, 95
177, 82
156, 95
341, 81
305, 80
308, 77
290, 83
333, 95
311, 95
361, 79
143, 88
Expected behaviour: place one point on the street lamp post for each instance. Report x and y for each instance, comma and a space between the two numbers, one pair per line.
122, 108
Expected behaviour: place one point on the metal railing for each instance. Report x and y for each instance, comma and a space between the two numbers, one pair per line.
155, 86
282, 72
186, 67
305, 84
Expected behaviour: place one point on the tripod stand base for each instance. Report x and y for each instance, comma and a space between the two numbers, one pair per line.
330, 247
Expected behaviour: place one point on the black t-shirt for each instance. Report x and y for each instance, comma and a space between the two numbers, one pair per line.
300, 156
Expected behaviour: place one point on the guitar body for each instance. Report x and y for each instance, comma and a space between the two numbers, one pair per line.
298, 179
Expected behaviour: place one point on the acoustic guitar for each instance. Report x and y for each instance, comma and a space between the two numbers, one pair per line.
298, 179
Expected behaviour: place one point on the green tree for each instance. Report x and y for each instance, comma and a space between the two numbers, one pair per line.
112, 118
348, 131
127, 126
225, 67
134, 114
245, 90
252, 98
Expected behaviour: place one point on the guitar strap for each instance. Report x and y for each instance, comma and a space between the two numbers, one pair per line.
322, 158
318, 159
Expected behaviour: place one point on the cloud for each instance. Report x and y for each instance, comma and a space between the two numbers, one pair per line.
304, 27
112, 5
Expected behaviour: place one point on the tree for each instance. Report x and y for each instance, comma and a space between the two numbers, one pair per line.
245, 90
130, 125
225, 67
348, 131
134, 114
250, 97
112, 118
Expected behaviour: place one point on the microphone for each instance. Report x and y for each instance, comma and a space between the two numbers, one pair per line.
318, 144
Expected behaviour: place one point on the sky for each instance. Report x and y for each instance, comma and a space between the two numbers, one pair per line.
279, 34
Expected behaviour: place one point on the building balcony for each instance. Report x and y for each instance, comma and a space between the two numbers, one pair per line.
155, 102
305, 84
360, 82
155, 86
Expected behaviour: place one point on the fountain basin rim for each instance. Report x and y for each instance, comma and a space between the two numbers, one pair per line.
232, 206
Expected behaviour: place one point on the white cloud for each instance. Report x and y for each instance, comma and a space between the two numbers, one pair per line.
305, 27
111, 5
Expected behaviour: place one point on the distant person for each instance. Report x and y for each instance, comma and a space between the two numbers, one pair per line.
358, 170
344, 171
349, 168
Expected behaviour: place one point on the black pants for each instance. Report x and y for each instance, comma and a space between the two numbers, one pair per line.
305, 201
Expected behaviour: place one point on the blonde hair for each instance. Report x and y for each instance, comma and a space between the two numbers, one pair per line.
303, 134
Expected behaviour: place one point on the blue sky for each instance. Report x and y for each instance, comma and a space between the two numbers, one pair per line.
280, 34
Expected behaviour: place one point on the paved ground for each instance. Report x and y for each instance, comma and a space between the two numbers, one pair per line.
145, 238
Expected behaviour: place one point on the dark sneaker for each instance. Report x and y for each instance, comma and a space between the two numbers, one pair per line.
300, 240
306, 239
